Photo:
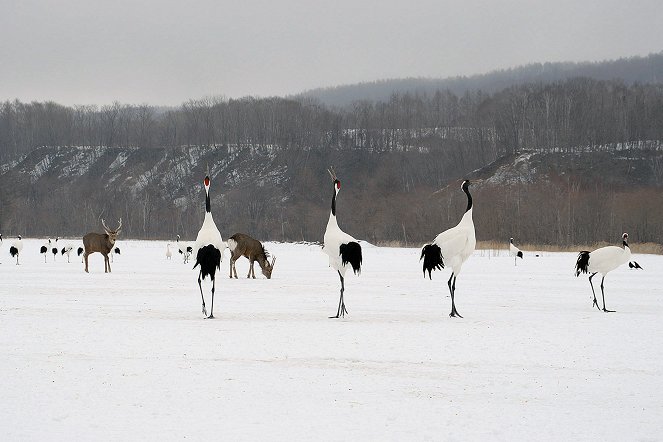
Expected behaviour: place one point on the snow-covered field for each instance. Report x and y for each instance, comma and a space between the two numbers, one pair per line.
128, 355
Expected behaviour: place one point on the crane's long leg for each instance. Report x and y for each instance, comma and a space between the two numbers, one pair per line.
603, 294
454, 312
596, 303
211, 309
341, 304
201, 293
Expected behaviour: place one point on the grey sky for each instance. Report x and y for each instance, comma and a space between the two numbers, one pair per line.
167, 51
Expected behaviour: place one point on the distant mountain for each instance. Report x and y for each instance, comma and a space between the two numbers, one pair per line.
631, 70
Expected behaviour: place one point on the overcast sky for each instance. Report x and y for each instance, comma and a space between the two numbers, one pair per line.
164, 52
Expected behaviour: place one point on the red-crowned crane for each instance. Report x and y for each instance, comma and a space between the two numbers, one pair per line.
342, 249
54, 249
514, 251
208, 249
168, 252
452, 248
603, 261
185, 249
16, 247
44, 248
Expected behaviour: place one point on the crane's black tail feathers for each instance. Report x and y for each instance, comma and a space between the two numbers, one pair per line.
634, 265
43, 249
13, 251
209, 259
582, 263
117, 250
519, 254
432, 256
80, 251
351, 253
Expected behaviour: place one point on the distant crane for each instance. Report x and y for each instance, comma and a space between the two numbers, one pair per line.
208, 249
66, 250
343, 250
169, 254
54, 249
603, 261
452, 247
185, 249
16, 247
514, 251
44, 248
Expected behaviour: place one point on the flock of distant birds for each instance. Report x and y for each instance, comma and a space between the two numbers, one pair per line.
451, 248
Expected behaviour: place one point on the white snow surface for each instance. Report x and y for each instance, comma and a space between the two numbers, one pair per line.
128, 355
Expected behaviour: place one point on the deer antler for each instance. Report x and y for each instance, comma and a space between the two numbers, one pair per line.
273, 261
103, 223
120, 226
332, 173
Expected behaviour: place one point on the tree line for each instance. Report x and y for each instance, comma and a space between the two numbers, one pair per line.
413, 145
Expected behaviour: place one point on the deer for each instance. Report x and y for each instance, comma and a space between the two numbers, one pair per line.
243, 245
102, 243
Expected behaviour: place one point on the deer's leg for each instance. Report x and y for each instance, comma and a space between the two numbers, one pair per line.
85, 258
250, 267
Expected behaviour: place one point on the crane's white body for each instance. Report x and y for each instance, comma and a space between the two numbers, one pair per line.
169, 254
209, 234
458, 243
607, 259
333, 239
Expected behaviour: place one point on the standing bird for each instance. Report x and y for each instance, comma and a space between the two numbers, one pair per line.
169, 254
185, 249
341, 248
44, 248
16, 247
208, 249
603, 261
54, 249
514, 251
452, 247
66, 250
80, 253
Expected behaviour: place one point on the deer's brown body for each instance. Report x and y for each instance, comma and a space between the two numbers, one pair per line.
102, 243
243, 245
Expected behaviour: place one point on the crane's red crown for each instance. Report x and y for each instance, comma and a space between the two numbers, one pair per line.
338, 184
206, 181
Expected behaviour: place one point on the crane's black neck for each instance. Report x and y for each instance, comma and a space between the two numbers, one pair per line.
334, 201
625, 244
208, 207
469, 198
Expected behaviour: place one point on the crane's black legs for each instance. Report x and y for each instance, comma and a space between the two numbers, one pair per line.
603, 294
452, 290
211, 309
341, 305
596, 303
201, 292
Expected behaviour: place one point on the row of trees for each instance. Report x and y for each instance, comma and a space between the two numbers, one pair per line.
567, 115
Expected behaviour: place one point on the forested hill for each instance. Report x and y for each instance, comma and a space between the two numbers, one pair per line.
631, 70
594, 164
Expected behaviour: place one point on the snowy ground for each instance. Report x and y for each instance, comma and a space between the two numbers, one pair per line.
128, 355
